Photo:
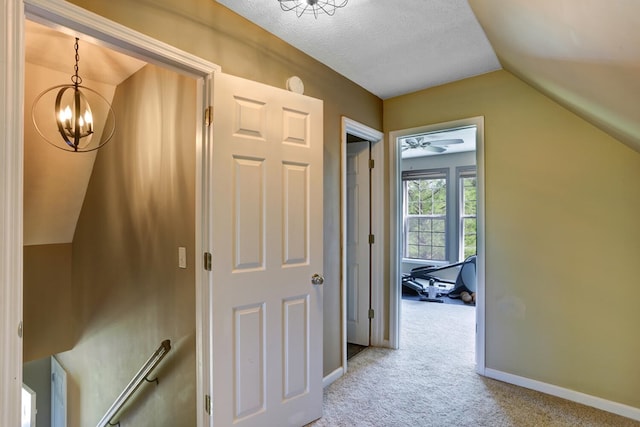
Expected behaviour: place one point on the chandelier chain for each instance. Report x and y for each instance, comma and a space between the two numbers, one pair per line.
76, 79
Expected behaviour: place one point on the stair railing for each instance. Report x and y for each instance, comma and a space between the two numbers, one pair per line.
135, 383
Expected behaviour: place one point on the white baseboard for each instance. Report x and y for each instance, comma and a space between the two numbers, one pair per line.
326, 381
574, 396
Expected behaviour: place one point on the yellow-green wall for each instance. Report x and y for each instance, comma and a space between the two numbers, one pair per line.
212, 32
128, 290
562, 235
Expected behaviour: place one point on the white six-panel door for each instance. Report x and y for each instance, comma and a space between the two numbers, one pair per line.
266, 195
358, 254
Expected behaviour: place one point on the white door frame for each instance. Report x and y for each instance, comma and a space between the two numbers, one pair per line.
67, 17
377, 228
395, 233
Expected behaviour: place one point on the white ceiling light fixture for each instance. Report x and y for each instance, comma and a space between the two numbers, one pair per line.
81, 119
315, 7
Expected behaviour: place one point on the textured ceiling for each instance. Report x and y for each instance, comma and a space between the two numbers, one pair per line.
585, 55
388, 48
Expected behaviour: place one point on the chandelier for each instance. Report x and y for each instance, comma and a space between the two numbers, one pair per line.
314, 7
71, 125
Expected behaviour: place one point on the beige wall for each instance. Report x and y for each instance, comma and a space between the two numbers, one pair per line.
49, 323
211, 31
127, 287
562, 235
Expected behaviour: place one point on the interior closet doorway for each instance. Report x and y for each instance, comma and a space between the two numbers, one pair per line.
361, 176
359, 241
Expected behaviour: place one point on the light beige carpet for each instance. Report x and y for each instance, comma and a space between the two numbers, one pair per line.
431, 381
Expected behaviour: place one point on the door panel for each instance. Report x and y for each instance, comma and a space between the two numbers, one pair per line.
266, 204
250, 357
296, 203
296, 347
358, 255
249, 212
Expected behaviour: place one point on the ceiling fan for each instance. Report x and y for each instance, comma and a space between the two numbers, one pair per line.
435, 146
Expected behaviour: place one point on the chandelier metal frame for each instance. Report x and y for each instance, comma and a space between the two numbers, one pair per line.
312, 7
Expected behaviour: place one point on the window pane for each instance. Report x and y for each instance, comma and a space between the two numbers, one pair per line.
469, 196
426, 209
413, 251
438, 239
425, 238
438, 254
469, 236
439, 225
468, 213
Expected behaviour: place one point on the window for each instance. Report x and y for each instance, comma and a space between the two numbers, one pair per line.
468, 208
425, 214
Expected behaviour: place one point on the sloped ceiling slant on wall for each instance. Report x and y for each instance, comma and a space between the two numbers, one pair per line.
584, 55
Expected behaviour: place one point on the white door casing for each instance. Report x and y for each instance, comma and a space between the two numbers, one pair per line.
358, 247
59, 13
266, 208
395, 200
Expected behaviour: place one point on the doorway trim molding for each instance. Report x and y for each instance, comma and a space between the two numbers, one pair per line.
67, 17
377, 229
395, 232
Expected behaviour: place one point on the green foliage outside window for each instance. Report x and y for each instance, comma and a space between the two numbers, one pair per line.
469, 214
426, 213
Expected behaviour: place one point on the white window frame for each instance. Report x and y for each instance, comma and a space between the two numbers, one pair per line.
435, 173
461, 173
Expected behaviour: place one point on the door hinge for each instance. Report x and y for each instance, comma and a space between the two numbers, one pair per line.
207, 404
371, 313
207, 261
372, 163
372, 239
208, 115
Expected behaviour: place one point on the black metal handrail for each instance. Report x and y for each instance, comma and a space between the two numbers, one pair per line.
133, 385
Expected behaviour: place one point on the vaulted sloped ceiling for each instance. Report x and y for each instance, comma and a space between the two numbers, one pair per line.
583, 54
55, 181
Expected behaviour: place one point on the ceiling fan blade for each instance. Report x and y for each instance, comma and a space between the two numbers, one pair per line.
411, 143
434, 149
442, 142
